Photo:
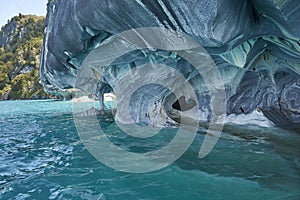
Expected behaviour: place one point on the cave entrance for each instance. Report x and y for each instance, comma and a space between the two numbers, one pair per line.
182, 105
109, 100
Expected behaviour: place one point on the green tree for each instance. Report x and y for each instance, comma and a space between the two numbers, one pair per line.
21, 52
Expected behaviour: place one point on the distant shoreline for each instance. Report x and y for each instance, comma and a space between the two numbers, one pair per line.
31, 100
83, 99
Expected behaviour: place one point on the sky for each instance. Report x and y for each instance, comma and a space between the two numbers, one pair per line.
11, 8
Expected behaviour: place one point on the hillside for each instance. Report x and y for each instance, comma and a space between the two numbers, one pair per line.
20, 48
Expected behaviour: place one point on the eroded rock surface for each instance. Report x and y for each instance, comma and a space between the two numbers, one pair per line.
255, 45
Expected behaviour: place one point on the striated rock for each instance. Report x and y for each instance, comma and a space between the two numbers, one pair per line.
255, 45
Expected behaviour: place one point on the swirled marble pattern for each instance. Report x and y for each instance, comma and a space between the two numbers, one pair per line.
255, 45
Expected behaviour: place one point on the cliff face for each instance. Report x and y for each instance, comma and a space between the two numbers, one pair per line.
255, 45
20, 49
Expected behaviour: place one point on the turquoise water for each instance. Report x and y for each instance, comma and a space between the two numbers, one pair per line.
42, 157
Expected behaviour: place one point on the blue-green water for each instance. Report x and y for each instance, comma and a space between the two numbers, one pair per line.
42, 157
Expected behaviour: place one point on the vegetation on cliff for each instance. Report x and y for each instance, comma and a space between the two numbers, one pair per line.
21, 42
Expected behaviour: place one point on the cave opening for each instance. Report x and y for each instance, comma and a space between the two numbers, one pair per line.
176, 105
182, 105
109, 100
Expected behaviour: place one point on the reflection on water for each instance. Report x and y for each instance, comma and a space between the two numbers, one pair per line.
41, 157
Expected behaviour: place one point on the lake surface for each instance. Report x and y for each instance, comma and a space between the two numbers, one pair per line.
42, 157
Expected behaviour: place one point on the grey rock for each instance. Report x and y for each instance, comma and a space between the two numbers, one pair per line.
255, 45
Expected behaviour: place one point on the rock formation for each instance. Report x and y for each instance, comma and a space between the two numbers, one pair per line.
255, 45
